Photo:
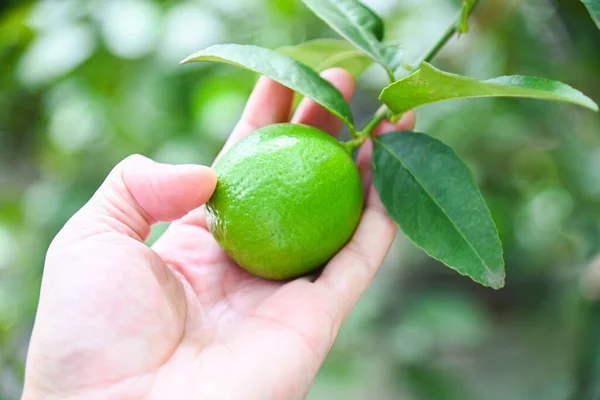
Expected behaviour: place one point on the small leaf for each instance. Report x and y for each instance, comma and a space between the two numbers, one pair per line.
322, 54
593, 7
360, 26
282, 69
431, 194
429, 85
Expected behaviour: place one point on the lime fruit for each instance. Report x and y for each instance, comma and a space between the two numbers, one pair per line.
288, 197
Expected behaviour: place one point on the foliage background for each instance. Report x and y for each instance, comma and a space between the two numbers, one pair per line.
84, 83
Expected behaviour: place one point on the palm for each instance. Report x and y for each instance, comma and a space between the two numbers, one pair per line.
200, 321
213, 277
229, 306
117, 319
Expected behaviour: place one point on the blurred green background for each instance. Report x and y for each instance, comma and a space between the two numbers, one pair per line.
84, 83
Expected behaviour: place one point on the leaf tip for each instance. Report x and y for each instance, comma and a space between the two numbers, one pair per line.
496, 279
193, 57
185, 60
587, 102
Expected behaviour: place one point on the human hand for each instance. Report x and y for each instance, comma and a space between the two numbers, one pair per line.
120, 320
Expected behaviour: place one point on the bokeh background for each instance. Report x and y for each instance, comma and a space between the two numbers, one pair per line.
84, 83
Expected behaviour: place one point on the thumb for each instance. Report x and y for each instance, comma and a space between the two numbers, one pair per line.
140, 192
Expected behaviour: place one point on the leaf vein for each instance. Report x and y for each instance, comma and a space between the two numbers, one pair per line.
412, 173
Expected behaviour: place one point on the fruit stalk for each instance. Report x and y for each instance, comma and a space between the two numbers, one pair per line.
379, 116
358, 140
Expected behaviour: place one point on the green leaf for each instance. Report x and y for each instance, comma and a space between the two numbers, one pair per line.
282, 69
357, 13
322, 54
593, 7
429, 85
360, 26
431, 194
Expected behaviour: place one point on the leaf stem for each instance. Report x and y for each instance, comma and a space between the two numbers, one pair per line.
376, 120
390, 74
457, 25
439, 44
468, 8
354, 144
361, 136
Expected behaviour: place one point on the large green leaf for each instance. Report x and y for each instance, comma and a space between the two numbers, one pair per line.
321, 54
282, 69
429, 85
431, 194
360, 26
593, 7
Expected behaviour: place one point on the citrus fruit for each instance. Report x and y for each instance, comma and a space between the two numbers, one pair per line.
288, 197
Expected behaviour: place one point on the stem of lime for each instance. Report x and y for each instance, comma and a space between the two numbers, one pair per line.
390, 74
375, 121
354, 144
367, 131
450, 32
360, 137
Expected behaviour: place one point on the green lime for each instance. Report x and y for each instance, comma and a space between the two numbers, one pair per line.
288, 198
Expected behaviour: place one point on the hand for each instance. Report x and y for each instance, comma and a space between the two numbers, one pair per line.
119, 320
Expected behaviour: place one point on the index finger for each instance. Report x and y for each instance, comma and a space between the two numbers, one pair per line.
269, 103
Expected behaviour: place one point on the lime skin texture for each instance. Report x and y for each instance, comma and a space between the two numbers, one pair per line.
288, 198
